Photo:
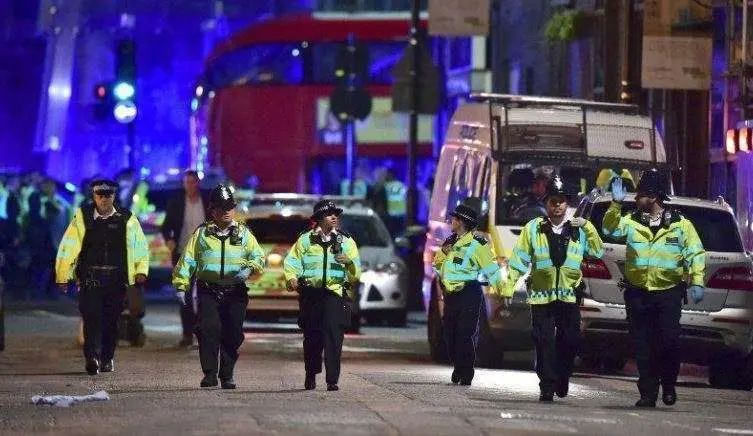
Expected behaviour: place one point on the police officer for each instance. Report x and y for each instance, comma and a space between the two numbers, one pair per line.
463, 257
103, 249
662, 245
321, 266
221, 254
553, 249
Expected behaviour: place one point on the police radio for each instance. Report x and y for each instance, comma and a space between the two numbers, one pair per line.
337, 245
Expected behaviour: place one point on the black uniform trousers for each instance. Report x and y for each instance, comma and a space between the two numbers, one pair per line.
556, 337
187, 314
100, 303
654, 321
322, 317
460, 320
220, 329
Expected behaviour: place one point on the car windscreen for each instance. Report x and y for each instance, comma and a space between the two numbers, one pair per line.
277, 230
716, 228
366, 230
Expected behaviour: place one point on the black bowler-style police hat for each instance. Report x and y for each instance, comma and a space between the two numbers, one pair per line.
103, 186
221, 197
555, 187
466, 213
324, 208
653, 183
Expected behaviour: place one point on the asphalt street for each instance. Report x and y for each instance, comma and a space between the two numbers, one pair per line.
388, 386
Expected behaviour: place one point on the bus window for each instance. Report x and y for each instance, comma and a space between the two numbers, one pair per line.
383, 55
258, 64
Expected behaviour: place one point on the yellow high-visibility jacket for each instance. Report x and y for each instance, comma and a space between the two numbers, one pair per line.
549, 283
137, 252
307, 259
396, 200
214, 259
469, 257
657, 261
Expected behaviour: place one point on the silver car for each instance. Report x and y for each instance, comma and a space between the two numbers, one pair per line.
718, 331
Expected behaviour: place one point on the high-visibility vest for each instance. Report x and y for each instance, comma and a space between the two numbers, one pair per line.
396, 204
469, 257
359, 188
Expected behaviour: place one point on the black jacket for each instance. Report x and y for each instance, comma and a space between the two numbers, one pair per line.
173, 224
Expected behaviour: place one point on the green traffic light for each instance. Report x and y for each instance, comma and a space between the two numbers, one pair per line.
123, 91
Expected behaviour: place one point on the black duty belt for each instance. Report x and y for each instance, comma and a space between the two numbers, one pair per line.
217, 290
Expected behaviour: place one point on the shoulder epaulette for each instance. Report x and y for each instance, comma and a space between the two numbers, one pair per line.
481, 239
344, 233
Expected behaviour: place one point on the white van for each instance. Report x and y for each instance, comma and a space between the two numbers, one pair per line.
498, 154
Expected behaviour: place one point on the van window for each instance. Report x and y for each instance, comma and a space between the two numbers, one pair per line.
460, 187
716, 228
442, 178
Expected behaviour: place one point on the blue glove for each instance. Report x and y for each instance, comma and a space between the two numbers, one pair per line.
696, 292
618, 191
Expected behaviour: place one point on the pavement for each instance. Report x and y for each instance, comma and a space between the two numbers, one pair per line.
388, 386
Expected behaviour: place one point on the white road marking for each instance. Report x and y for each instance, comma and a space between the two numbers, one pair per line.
732, 430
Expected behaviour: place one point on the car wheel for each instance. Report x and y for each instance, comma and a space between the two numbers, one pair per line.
590, 363
434, 330
613, 364
397, 317
488, 352
731, 372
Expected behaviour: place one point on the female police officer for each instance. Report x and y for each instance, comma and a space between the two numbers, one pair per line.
463, 257
321, 266
221, 254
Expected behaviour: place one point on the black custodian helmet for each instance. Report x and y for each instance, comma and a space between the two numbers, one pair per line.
324, 208
556, 187
653, 183
221, 197
467, 214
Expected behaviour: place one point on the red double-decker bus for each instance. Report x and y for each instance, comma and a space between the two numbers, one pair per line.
262, 102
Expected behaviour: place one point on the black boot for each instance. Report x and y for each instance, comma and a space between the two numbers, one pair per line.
108, 366
455, 378
310, 383
669, 396
646, 402
332, 387
227, 383
92, 366
209, 381
563, 386
546, 397
466, 376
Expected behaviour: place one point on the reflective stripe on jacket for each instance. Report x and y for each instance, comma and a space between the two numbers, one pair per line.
657, 262
310, 261
395, 191
547, 283
216, 259
470, 257
137, 251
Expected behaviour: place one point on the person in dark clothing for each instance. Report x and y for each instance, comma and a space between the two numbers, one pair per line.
183, 215
103, 250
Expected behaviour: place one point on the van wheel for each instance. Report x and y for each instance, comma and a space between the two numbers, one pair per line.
488, 352
613, 364
731, 372
435, 330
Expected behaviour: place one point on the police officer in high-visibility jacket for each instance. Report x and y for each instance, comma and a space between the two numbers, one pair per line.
221, 254
552, 248
103, 250
463, 259
321, 266
662, 246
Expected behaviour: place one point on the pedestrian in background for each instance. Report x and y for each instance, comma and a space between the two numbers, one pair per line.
552, 249
662, 247
103, 250
183, 215
321, 266
459, 263
221, 254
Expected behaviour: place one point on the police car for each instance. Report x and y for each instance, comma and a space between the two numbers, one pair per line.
718, 331
277, 220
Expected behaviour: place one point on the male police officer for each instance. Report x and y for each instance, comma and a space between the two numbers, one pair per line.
103, 249
322, 264
553, 249
661, 246
462, 259
221, 254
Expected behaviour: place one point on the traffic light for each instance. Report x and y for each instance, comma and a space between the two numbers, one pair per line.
103, 102
350, 100
625, 95
124, 87
739, 140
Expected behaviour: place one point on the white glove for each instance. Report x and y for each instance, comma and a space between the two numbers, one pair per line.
577, 221
182, 298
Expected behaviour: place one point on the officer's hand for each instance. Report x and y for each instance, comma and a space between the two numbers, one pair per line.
618, 191
63, 287
293, 285
577, 222
170, 245
696, 292
182, 298
140, 279
343, 259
